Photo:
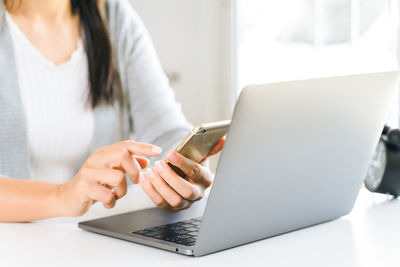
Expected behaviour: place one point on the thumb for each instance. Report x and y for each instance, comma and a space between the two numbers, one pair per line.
142, 162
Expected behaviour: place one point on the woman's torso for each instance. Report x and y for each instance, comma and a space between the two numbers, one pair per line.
60, 124
148, 108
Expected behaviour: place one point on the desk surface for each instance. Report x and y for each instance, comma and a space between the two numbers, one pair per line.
369, 236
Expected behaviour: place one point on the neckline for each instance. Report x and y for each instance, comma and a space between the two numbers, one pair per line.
36, 52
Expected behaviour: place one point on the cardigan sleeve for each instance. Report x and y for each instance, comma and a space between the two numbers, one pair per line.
156, 116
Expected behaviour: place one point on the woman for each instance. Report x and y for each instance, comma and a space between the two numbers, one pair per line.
78, 76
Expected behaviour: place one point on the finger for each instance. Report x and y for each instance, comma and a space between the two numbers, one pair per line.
106, 176
192, 169
170, 195
177, 170
114, 153
181, 186
134, 168
126, 163
218, 147
149, 189
102, 194
112, 179
184, 207
141, 149
121, 190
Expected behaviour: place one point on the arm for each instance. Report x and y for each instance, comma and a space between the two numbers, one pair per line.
102, 178
157, 118
23, 201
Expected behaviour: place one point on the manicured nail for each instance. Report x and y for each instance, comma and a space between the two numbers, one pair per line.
159, 166
156, 150
172, 157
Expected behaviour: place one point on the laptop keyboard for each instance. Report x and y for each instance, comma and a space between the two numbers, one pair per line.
183, 233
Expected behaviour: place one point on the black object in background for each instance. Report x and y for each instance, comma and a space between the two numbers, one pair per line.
384, 172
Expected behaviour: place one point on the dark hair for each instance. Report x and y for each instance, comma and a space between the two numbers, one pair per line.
103, 77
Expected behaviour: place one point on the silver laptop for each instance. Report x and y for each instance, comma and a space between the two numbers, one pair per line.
296, 155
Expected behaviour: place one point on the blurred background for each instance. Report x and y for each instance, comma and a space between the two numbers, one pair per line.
211, 49
193, 42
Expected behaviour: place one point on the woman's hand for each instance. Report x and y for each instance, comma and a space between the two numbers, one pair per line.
102, 177
170, 191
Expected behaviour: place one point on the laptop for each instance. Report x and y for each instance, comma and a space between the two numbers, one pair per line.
296, 155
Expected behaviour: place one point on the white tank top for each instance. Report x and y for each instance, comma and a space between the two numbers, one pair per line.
60, 124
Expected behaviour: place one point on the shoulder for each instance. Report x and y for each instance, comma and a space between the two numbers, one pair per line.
119, 8
122, 17
125, 26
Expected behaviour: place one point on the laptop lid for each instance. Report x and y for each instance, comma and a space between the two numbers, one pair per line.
296, 155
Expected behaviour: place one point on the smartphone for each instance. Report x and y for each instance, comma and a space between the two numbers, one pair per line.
200, 141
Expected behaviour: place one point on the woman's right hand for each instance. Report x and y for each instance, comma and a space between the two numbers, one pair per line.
102, 177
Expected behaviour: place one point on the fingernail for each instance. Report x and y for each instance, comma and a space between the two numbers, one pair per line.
172, 157
156, 150
159, 166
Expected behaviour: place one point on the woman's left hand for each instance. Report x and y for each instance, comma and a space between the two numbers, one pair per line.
170, 191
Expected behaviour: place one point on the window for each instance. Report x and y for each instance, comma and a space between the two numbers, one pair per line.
298, 39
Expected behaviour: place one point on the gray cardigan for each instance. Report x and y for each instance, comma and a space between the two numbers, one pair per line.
148, 111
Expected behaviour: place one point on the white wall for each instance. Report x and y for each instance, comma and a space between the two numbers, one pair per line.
192, 38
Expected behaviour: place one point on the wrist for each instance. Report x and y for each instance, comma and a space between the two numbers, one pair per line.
57, 200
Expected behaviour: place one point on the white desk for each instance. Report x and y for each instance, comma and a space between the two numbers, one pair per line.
369, 236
